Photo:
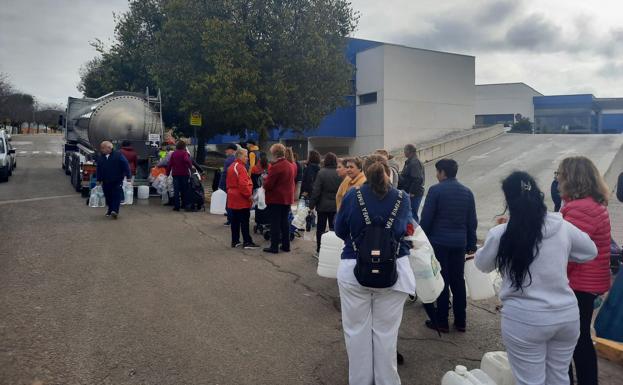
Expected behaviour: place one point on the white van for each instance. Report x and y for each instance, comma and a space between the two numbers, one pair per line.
7, 157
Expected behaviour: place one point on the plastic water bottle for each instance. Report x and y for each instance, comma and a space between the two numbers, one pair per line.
461, 376
218, 202
496, 365
479, 284
330, 254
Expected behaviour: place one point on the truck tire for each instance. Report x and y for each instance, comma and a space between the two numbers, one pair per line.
66, 165
4, 174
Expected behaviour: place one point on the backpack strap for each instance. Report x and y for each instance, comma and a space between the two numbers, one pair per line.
394, 213
362, 206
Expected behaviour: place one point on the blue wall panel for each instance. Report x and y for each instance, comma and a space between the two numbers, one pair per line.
563, 101
612, 123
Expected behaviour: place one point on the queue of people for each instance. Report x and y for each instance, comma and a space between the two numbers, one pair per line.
553, 265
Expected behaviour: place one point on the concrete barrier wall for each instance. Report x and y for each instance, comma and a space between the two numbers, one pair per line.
447, 146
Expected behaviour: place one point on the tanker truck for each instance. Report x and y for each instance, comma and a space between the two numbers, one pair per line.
118, 116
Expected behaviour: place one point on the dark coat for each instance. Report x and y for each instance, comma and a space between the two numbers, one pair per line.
309, 176
349, 219
449, 215
620, 188
412, 177
113, 168
325, 187
279, 183
556, 195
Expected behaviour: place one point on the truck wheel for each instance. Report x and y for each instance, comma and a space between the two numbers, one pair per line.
4, 174
65, 165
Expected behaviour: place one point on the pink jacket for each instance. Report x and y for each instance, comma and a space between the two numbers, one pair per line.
592, 218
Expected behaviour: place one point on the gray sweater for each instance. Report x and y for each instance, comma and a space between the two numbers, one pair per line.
548, 300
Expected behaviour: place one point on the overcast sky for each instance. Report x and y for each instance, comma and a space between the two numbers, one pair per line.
555, 46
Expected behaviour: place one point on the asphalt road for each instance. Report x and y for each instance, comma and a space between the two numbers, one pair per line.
159, 297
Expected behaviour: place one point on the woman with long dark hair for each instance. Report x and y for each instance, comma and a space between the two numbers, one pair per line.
371, 316
540, 317
586, 195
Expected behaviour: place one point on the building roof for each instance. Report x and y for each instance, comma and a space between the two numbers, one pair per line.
380, 43
508, 84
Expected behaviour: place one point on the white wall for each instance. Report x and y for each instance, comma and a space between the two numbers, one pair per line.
511, 98
427, 94
369, 78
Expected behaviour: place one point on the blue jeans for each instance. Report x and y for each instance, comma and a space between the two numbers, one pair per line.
113, 192
415, 207
180, 190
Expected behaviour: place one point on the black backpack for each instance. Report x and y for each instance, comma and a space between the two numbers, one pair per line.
377, 249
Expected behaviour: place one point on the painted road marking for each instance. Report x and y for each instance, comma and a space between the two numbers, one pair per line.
16, 143
35, 199
23, 152
48, 152
35, 152
483, 156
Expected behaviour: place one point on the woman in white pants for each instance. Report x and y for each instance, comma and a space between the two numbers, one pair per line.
371, 316
540, 316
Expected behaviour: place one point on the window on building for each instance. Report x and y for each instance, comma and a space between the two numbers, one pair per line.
367, 98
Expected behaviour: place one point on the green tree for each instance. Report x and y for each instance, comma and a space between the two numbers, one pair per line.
244, 64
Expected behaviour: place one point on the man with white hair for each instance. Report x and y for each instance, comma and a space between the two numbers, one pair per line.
112, 167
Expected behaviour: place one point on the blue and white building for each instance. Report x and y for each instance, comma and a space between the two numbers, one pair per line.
403, 95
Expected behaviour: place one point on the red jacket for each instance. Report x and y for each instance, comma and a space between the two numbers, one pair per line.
279, 183
239, 186
180, 163
592, 218
131, 156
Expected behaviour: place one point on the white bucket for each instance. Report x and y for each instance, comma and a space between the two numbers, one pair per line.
330, 254
478, 283
496, 365
461, 376
218, 202
143, 192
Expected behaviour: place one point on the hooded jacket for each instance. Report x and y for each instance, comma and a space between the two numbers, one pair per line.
546, 298
592, 218
132, 157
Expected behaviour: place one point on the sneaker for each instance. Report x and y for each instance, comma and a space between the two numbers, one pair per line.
285, 250
107, 214
114, 215
228, 223
250, 245
176, 209
269, 250
236, 244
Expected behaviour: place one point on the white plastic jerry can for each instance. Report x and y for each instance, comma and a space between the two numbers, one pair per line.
218, 202
461, 376
330, 254
496, 365
478, 283
143, 192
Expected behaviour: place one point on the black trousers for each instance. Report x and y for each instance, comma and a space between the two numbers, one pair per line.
180, 190
584, 356
452, 261
113, 192
279, 226
240, 222
321, 226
